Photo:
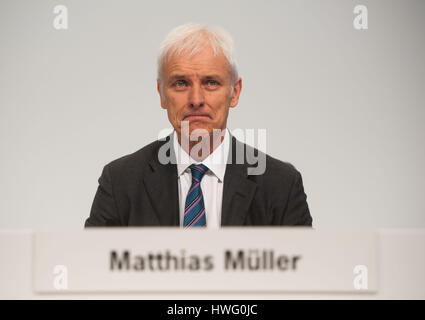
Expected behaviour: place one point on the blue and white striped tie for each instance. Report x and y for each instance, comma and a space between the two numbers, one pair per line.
194, 210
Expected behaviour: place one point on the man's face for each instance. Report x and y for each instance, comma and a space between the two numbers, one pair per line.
198, 89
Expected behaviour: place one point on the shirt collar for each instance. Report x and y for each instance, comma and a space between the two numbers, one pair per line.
216, 161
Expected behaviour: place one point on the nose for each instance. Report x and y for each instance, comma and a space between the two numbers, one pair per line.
196, 97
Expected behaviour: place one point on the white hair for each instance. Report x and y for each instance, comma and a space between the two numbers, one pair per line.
190, 38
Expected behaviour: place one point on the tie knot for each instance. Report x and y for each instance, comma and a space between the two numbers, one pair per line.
198, 171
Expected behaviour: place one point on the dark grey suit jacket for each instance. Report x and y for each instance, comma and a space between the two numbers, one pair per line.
137, 190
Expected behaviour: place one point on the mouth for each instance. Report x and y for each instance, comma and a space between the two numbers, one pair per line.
193, 117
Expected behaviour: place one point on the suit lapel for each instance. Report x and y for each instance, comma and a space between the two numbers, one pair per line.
161, 186
238, 190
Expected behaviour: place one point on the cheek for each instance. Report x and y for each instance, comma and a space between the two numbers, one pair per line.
219, 103
175, 105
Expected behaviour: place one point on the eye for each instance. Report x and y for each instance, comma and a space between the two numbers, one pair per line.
180, 83
212, 83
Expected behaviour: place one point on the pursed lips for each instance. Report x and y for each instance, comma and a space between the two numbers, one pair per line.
194, 116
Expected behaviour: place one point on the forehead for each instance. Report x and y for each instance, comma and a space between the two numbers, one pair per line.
202, 62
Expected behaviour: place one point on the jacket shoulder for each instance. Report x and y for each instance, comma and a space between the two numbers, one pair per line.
136, 161
276, 166
273, 166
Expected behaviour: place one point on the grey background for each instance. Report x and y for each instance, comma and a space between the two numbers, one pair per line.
346, 107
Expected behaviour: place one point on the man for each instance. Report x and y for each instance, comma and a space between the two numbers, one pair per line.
176, 181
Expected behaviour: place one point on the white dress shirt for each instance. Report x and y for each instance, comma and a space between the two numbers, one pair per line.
211, 183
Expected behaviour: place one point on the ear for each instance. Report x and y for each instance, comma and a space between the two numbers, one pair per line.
158, 87
236, 92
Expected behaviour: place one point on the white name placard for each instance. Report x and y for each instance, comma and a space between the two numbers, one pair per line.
230, 259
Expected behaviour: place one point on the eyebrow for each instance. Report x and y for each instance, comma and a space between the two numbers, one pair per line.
182, 76
177, 76
212, 76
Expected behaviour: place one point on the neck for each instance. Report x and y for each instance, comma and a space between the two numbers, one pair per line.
201, 147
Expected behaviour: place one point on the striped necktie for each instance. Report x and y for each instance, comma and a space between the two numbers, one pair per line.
194, 210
